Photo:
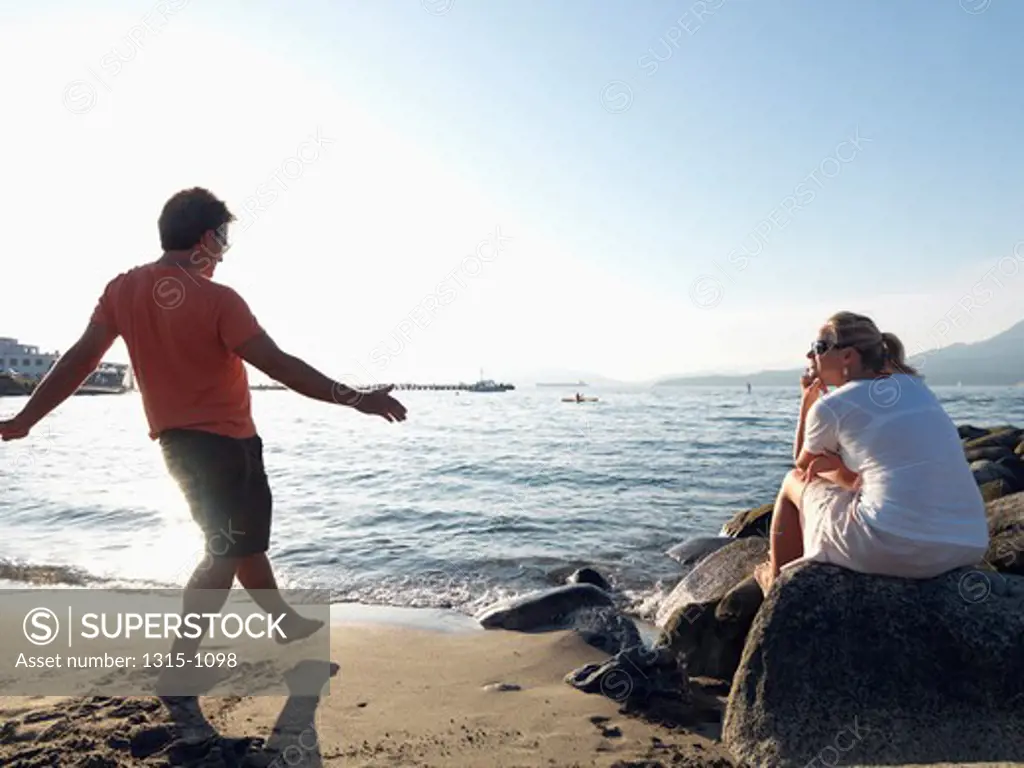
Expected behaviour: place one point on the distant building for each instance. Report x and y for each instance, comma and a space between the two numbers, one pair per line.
25, 359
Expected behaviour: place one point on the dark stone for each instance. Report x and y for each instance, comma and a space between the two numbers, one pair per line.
589, 576
707, 617
992, 453
606, 629
547, 609
753, 522
713, 578
995, 489
692, 551
560, 576
119, 741
502, 687
149, 741
742, 603
1006, 533
969, 432
851, 669
1006, 437
8, 732
985, 471
648, 681
711, 637
1012, 469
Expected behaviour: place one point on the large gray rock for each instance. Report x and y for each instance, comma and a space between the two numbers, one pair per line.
751, 522
998, 436
1009, 468
692, 551
548, 609
714, 577
843, 668
1006, 533
711, 637
706, 618
991, 453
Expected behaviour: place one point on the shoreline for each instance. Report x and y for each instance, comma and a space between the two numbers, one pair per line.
404, 693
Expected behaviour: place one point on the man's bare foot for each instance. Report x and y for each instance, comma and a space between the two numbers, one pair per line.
297, 628
764, 577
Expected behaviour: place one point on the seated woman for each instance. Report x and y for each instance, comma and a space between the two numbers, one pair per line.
881, 485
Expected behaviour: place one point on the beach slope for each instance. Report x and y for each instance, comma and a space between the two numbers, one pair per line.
400, 696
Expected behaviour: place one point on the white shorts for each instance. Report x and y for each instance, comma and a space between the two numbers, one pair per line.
835, 532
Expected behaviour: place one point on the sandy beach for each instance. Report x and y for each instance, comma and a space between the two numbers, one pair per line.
400, 695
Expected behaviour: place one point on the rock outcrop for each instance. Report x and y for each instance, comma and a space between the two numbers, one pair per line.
1006, 533
753, 522
842, 668
650, 682
706, 618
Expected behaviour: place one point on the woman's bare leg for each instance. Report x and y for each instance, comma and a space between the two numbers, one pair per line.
786, 543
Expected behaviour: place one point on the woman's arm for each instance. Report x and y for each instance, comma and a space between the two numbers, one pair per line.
829, 467
798, 441
811, 388
843, 477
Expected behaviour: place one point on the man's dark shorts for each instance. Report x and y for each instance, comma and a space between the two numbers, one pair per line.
226, 487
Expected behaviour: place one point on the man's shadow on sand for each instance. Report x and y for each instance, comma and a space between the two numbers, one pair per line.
293, 740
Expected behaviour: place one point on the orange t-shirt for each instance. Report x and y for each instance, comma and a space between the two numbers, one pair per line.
181, 330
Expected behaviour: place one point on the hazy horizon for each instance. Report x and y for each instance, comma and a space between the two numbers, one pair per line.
429, 189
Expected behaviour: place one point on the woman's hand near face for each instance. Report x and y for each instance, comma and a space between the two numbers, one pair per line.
811, 388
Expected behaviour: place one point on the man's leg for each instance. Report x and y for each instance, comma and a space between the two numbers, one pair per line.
257, 576
206, 592
206, 474
254, 570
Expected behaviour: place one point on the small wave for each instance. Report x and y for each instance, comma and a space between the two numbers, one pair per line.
45, 575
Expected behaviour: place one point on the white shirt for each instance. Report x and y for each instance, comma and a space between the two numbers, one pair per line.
915, 481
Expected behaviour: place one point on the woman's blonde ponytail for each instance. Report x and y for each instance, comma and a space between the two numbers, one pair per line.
896, 355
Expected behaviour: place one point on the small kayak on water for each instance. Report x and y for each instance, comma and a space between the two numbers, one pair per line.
581, 400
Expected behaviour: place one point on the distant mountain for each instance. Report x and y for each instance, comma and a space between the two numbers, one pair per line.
998, 361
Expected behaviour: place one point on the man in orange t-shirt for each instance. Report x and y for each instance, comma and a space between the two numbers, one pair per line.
187, 338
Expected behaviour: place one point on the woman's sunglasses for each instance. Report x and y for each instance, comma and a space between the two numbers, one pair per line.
821, 346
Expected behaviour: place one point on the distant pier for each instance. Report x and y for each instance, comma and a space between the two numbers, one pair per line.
480, 386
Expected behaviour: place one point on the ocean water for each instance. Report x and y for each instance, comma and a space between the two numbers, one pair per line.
474, 498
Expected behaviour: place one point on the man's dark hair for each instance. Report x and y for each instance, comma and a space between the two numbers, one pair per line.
188, 215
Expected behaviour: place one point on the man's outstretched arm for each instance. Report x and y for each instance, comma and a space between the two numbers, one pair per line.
263, 353
63, 380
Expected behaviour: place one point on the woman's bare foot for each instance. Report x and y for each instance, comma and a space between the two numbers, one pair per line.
764, 577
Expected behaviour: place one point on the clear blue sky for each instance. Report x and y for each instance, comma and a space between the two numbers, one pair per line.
731, 106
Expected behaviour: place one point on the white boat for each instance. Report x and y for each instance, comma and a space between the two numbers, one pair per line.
489, 385
108, 379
